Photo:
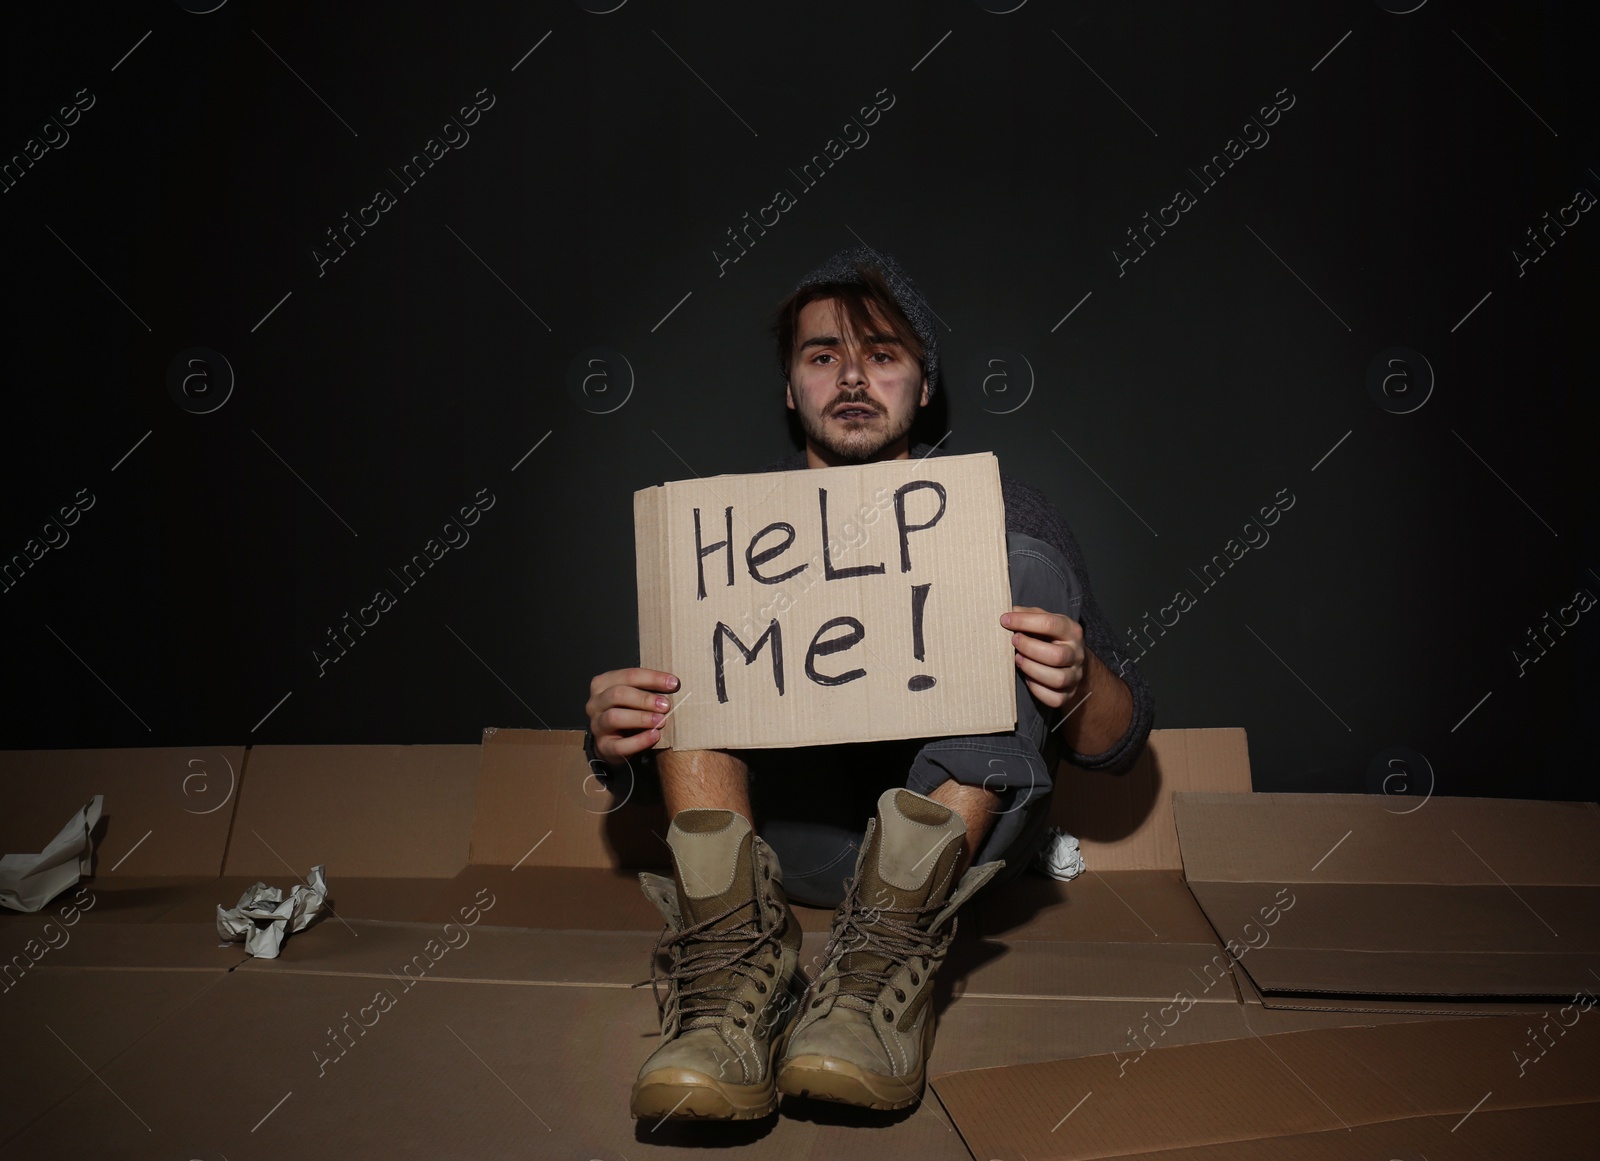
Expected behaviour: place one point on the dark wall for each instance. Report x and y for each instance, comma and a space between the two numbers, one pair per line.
1351, 322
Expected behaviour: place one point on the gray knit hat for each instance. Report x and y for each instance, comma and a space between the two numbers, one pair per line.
842, 268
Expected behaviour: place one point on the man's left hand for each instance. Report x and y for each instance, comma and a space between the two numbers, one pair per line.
1049, 652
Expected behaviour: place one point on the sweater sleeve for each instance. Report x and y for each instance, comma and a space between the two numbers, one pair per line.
1049, 526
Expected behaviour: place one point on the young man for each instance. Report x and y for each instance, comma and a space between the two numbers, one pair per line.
942, 817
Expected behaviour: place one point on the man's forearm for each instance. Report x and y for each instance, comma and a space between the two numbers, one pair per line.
1100, 712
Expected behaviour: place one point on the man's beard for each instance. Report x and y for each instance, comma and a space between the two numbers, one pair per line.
856, 443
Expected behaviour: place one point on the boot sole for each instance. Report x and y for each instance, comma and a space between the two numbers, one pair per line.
828, 1078
682, 1094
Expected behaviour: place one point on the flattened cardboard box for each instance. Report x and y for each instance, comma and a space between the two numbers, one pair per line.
1463, 900
828, 605
511, 994
267, 1065
1398, 1090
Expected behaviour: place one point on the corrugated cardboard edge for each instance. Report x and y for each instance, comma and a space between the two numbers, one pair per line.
992, 466
1212, 825
650, 575
1375, 1005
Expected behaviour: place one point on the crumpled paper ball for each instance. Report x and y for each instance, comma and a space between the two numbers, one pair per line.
1060, 857
265, 915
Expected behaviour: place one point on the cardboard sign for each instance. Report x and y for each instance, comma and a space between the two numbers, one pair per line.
828, 605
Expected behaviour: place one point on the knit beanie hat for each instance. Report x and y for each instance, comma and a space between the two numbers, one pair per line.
842, 268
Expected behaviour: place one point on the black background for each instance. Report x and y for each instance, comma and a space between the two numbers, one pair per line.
382, 394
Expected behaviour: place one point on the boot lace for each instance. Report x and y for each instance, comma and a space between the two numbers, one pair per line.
896, 934
707, 1002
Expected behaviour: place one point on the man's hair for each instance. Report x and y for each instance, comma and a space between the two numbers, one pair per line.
857, 302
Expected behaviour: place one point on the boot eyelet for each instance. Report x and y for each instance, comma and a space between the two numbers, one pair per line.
816, 1001
888, 1015
748, 1006
768, 968
761, 987
914, 978
899, 995
739, 1020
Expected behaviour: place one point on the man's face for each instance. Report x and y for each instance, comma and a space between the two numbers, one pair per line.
856, 399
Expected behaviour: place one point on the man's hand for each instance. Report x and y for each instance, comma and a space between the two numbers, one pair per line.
1049, 652
627, 699
1064, 673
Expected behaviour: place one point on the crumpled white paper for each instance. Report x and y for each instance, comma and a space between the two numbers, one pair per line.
1060, 857
265, 916
28, 882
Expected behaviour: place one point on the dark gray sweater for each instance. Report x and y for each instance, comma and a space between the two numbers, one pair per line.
1030, 513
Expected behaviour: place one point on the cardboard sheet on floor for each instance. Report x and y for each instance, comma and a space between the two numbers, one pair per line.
1457, 899
459, 953
55, 1029
1556, 1131
528, 1020
114, 947
456, 950
396, 900
1120, 906
456, 1070
990, 1032
1418, 1084
120, 899
1151, 972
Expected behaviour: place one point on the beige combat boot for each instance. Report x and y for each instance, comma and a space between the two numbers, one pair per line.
734, 980
866, 1026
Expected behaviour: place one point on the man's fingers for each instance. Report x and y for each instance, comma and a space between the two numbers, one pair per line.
1050, 697
636, 677
626, 697
1053, 625
1054, 653
652, 679
1055, 677
632, 697
1029, 646
624, 747
616, 719
1046, 693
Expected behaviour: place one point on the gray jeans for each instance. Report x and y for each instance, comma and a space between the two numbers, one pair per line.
812, 803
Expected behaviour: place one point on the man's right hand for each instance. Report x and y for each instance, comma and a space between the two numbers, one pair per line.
627, 699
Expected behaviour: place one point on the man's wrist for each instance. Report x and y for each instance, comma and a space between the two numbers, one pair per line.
1107, 720
590, 753
643, 758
